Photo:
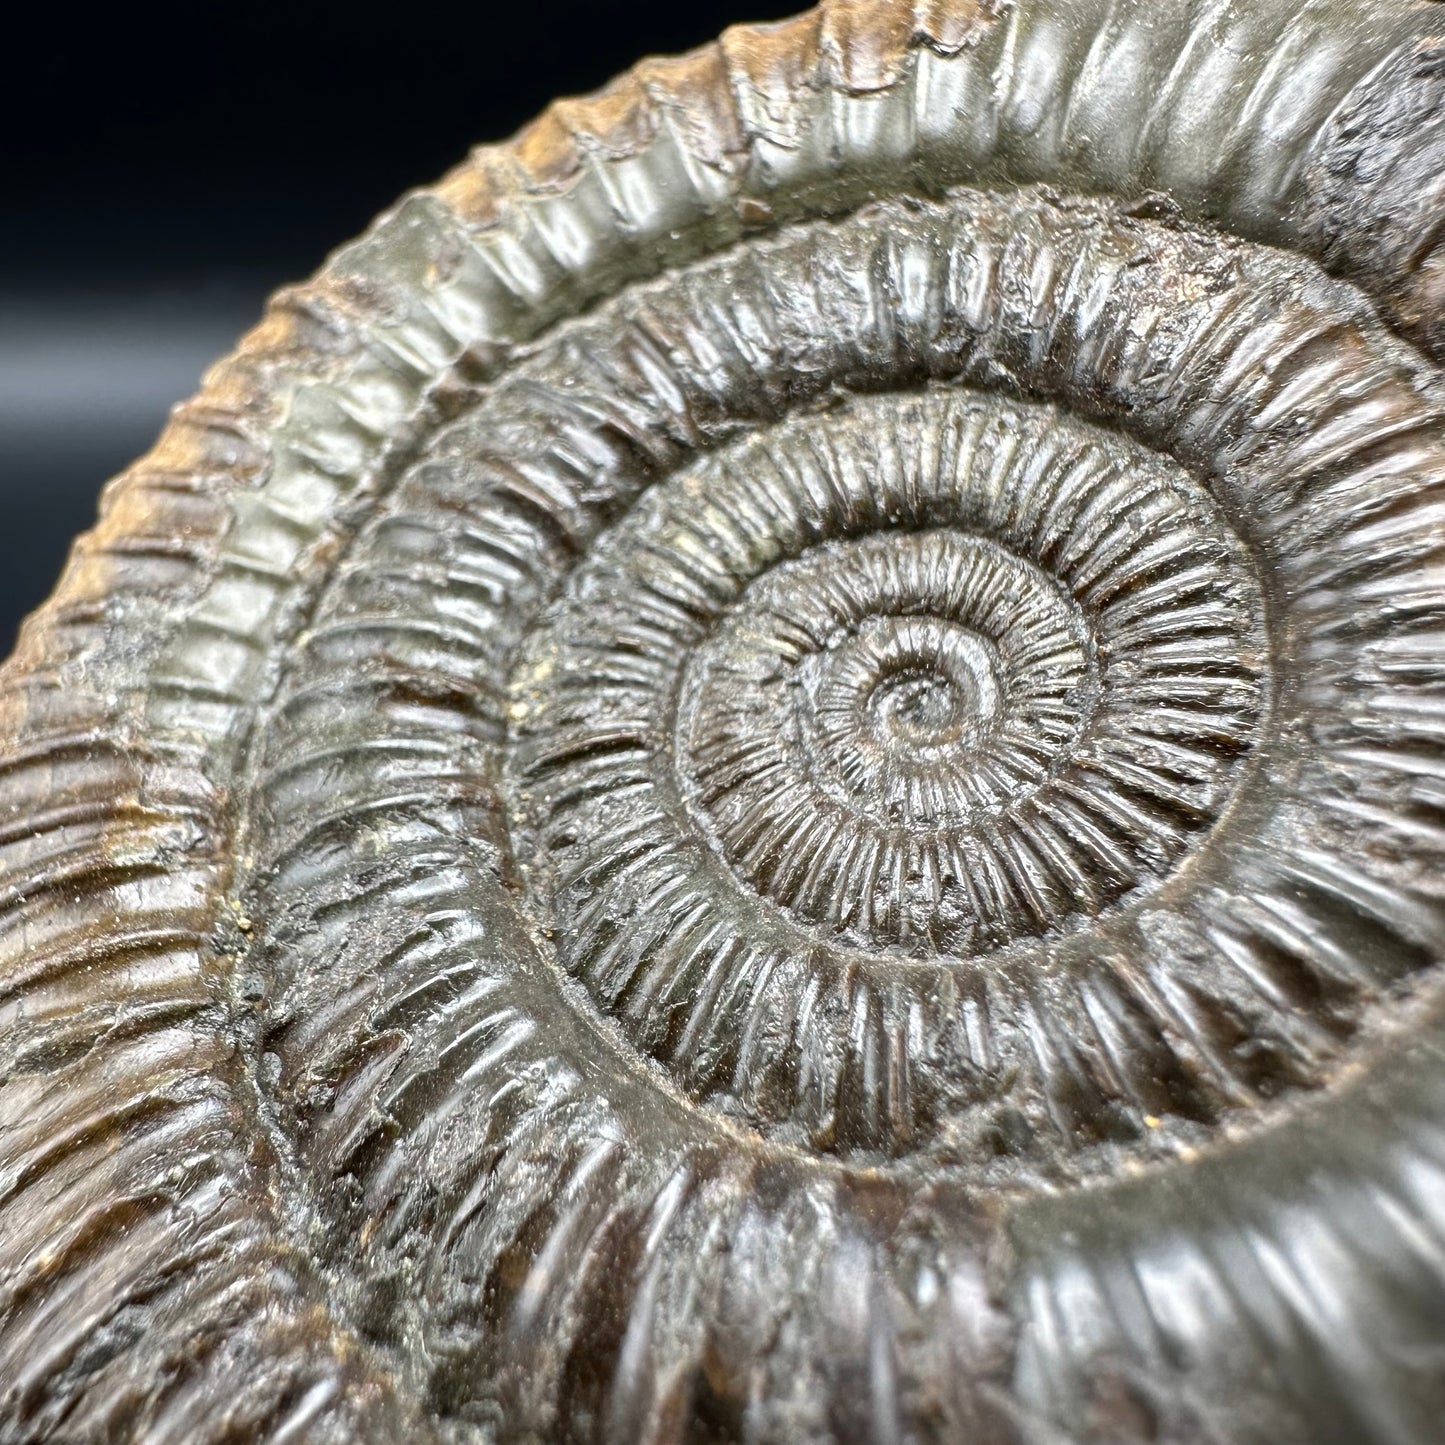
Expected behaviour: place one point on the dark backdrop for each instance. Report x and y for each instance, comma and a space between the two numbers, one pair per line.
168, 168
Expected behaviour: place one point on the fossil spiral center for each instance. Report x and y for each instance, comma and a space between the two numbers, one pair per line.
918, 708
897, 687
877, 701
934, 686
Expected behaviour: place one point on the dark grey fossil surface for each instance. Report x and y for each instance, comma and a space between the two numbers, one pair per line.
773, 770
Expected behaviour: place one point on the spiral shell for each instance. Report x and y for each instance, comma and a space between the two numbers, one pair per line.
771, 770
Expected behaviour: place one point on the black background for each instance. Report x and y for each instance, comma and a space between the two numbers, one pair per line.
169, 167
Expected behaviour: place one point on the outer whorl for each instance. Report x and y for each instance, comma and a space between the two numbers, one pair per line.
774, 770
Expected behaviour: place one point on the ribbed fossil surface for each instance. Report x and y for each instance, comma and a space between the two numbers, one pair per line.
773, 770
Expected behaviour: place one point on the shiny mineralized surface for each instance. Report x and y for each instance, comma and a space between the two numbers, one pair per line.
773, 770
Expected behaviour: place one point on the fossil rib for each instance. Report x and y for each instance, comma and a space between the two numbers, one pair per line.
771, 770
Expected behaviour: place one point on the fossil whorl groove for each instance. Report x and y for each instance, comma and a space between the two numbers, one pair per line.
1056, 577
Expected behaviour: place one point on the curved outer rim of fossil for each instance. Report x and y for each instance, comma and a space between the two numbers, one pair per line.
132, 694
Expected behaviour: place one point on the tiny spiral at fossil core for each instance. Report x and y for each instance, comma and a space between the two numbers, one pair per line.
771, 771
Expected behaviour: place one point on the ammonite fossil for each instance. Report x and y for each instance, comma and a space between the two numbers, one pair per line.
773, 770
